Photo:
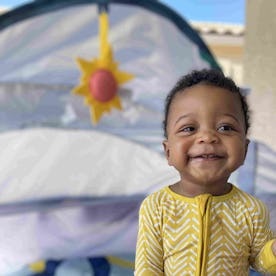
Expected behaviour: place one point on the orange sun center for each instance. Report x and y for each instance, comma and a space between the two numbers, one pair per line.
102, 85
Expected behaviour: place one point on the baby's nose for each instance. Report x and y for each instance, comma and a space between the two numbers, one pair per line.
208, 136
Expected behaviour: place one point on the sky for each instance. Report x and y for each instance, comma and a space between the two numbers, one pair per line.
226, 11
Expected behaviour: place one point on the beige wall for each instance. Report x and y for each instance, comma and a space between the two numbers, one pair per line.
230, 59
260, 67
228, 50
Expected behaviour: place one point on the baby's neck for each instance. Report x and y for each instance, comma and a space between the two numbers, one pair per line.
187, 190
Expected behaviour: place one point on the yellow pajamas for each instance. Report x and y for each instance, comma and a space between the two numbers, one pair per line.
204, 235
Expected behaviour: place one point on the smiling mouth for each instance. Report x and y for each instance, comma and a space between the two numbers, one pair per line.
207, 157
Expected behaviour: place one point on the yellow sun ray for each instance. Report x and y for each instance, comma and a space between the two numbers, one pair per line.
87, 67
82, 89
98, 109
100, 77
122, 77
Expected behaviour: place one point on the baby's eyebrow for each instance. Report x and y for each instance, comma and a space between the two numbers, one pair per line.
182, 117
232, 116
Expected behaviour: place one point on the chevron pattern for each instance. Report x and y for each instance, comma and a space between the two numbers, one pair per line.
171, 239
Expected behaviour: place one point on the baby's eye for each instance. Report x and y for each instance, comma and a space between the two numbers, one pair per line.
188, 129
224, 128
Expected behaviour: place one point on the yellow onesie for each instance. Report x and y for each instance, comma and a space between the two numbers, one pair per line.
203, 235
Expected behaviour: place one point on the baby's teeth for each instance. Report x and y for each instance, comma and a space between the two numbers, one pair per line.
208, 155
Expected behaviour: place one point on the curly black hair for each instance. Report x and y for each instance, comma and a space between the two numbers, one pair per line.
210, 77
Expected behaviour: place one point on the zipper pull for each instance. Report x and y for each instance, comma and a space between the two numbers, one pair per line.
202, 202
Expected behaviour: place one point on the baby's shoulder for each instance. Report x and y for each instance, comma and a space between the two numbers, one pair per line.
249, 202
157, 198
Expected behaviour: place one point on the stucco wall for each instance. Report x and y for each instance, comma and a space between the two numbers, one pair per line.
227, 48
260, 68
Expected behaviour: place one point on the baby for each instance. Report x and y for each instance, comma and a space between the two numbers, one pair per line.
204, 225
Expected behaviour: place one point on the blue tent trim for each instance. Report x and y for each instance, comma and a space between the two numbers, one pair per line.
99, 267
44, 6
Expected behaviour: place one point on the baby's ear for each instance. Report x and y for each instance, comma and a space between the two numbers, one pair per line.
166, 149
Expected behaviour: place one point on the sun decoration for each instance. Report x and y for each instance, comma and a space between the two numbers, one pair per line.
100, 77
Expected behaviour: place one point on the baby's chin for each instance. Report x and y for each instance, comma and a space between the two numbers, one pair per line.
206, 177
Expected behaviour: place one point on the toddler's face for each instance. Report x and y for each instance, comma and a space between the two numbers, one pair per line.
206, 134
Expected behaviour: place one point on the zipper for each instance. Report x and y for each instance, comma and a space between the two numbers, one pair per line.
204, 203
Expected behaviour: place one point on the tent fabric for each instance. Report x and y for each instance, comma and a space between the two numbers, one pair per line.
49, 163
77, 231
39, 7
265, 171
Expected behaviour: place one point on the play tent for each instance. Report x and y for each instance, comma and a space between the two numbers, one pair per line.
71, 189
